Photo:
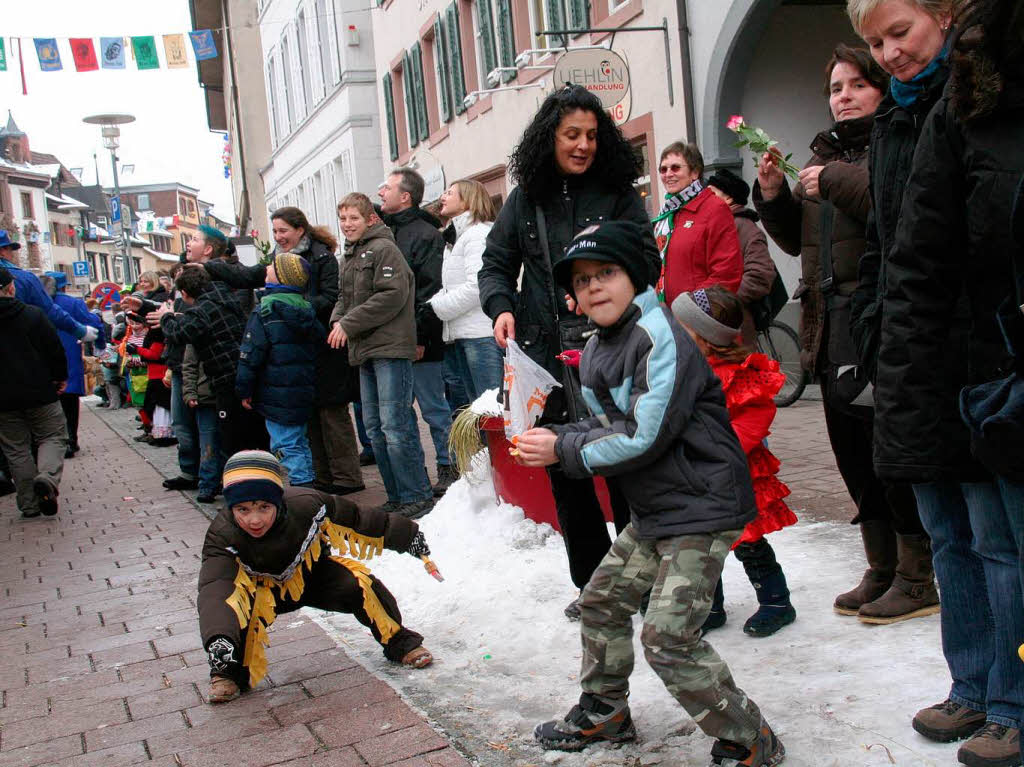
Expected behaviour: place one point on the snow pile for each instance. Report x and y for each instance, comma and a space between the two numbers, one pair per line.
839, 693
488, 403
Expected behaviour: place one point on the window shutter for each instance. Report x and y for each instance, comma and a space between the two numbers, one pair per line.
409, 86
579, 14
556, 20
444, 72
489, 55
420, 91
298, 87
506, 39
315, 62
389, 114
455, 57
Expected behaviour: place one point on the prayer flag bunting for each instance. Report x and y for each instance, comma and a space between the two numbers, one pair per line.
84, 53
49, 55
144, 50
112, 52
174, 51
3, 56
203, 45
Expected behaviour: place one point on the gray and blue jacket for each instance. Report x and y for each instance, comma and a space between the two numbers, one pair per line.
659, 426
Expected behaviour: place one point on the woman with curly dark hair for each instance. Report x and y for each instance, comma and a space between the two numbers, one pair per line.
574, 169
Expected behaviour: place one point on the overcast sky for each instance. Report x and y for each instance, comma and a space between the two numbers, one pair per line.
170, 139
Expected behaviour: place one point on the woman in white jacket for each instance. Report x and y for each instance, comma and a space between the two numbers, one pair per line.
471, 351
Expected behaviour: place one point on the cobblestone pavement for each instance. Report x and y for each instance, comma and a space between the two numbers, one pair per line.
102, 662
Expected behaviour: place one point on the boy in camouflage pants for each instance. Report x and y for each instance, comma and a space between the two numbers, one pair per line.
659, 426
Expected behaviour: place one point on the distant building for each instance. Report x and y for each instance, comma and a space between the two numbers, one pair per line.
177, 203
23, 208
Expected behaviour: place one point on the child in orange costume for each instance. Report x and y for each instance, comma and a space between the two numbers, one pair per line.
714, 318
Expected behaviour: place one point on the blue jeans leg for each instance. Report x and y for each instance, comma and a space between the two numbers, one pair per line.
998, 551
966, 616
428, 388
289, 442
1013, 501
364, 438
183, 421
211, 462
386, 388
482, 362
457, 386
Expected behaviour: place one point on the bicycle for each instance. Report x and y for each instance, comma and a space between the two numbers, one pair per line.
780, 342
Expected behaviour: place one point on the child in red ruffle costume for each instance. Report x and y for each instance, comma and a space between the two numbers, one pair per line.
714, 318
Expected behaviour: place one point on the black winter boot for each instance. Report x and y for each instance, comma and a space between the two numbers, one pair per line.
769, 583
716, 618
590, 721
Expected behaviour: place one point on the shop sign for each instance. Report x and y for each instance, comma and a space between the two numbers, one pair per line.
602, 72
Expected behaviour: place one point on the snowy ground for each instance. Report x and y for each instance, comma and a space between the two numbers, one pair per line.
839, 693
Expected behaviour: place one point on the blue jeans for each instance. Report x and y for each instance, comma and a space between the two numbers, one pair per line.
211, 461
288, 441
364, 438
1013, 501
455, 385
982, 618
428, 389
479, 362
186, 430
385, 387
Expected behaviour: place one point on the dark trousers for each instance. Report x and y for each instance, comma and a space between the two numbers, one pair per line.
583, 527
852, 437
332, 440
240, 429
70, 404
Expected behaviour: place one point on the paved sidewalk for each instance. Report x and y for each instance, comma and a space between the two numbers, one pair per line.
102, 662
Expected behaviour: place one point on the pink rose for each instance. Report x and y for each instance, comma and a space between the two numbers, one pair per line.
736, 121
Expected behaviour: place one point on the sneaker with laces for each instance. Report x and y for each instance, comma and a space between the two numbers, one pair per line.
948, 721
994, 745
589, 721
766, 751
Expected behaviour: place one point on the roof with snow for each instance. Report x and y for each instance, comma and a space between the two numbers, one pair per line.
11, 129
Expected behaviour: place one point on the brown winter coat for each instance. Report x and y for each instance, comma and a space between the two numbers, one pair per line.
376, 299
279, 549
758, 267
793, 220
195, 384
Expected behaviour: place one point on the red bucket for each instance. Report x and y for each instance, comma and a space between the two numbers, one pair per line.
525, 486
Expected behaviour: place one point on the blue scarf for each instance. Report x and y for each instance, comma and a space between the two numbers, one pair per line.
906, 94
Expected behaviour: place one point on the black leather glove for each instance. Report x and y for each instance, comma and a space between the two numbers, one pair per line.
131, 348
419, 547
223, 656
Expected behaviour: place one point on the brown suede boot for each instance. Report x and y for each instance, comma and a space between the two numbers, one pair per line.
880, 549
912, 594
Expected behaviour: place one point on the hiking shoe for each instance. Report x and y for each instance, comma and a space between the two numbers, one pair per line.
948, 721
416, 509
572, 610
206, 497
589, 721
181, 483
766, 751
994, 745
446, 477
222, 690
46, 494
143, 438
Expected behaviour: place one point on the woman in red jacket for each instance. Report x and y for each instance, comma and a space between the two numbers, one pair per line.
694, 231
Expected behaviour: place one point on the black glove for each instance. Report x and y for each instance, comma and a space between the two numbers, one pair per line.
223, 656
419, 547
131, 348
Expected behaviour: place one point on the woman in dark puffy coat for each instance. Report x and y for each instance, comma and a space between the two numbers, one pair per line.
948, 272
827, 213
572, 166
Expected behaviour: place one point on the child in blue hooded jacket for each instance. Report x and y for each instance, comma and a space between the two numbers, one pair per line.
277, 363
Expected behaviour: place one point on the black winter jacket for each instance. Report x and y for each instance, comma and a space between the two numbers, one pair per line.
31, 356
277, 359
513, 245
421, 242
660, 426
953, 244
214, 326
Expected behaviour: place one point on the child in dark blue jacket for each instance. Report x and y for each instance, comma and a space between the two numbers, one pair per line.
277, 364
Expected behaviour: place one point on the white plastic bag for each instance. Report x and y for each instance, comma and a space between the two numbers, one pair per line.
526, 388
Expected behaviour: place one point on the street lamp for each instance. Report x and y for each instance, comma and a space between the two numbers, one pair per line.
111, 133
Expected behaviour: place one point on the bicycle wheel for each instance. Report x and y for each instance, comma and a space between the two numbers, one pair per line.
780, 343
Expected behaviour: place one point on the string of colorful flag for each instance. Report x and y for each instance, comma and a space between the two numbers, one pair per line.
112, 51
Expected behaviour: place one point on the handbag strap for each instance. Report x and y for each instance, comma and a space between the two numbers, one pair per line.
542, 232
828, 214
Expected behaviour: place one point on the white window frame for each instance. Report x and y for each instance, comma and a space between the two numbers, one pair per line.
273, 98
614, 5
143, 201
302, 58
287, 90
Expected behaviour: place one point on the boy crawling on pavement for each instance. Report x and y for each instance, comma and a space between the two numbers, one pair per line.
270, 551
661, 427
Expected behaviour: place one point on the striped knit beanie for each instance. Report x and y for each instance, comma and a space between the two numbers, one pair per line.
291, 270
253, 475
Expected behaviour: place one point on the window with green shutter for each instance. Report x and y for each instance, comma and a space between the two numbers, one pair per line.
488, 54
444, 72
419, 92
409, 86
579, 14
556, 20
455, 57
506, 38
389, 115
